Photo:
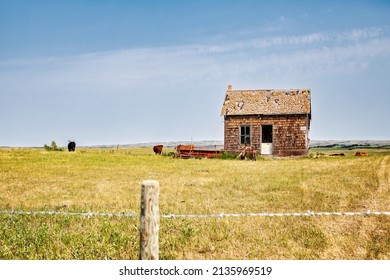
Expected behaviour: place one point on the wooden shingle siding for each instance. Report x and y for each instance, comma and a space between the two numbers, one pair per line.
290, 133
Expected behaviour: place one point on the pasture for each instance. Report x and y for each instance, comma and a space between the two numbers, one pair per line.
100, 180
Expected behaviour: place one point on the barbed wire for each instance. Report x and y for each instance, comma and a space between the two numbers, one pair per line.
85, 214
302, 214
177, 216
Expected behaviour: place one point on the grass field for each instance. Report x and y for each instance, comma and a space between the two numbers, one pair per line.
100, 180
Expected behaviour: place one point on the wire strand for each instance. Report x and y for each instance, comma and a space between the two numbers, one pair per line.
198, 216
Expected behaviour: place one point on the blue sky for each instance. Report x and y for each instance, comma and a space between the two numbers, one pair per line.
120, 72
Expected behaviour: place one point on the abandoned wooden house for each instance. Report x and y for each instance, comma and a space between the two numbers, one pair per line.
273, 122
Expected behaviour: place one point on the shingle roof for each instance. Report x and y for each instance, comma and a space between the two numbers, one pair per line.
267, 102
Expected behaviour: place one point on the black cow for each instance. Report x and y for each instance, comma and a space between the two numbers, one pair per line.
71, 146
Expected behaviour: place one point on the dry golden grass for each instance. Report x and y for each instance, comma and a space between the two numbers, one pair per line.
99, 181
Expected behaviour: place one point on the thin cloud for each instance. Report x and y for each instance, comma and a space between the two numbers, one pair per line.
354, 36
149, 68
142, 54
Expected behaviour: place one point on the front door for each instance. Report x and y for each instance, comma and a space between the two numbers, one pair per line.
266, 139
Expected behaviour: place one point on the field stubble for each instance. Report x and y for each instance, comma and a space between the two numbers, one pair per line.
95, 180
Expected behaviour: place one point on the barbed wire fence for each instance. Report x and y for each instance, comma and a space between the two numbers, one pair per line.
197, 216
150, 217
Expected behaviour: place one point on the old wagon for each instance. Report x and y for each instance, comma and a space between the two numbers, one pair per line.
189, 151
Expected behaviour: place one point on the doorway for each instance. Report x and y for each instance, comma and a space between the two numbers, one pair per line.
266, 139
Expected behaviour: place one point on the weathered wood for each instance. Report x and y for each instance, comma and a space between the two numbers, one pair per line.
150, 220
290, 133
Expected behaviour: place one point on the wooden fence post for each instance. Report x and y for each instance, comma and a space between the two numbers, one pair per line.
150, 220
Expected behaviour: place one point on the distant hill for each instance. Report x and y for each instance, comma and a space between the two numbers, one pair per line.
218, 144
207, 144
349, 144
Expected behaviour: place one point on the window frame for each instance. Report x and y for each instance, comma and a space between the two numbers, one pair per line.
246, 135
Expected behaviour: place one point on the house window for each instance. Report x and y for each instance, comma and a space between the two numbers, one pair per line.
245, 135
